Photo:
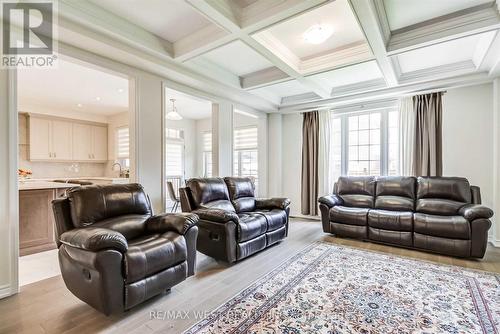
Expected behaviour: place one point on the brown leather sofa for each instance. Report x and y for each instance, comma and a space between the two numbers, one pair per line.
233, 223
437, 214
114, 253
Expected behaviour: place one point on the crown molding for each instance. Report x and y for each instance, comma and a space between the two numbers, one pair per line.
279, 49
299, 98
350, 54
359, 87
462, 23
383, 22
263, 78
200, 42
442, 71
390, 92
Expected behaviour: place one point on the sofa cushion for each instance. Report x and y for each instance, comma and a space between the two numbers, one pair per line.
350, 216
251, 225
130, 226
442, 195
356, 191
276, 218
395, 193
153, 253
241, 193
90, 204
391, 220
455, 227
210, 193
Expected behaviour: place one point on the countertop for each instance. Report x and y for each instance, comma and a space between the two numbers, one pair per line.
39, 185
97, 178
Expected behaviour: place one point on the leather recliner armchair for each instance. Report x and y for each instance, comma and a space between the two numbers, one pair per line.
114, 253
233, 223
438, 214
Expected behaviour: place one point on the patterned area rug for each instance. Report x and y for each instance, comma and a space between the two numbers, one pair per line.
332, 289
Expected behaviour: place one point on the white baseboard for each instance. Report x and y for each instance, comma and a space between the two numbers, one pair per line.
494, 242
5, 291
305, 216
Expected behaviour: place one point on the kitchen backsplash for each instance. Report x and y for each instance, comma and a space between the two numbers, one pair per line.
54, 169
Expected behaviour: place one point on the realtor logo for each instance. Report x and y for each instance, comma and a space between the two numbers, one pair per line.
27, 34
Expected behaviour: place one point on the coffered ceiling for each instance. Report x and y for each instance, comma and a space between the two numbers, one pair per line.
258, 50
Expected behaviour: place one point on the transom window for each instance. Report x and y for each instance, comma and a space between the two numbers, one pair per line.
365, 143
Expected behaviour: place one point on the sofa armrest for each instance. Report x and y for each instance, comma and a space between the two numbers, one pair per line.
330, 200
94, 239
176, 222
216, 215
272, 203
475, 211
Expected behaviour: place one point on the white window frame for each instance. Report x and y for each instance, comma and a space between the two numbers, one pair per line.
123, 161
205, 154
237, 154
384, 136
178, 141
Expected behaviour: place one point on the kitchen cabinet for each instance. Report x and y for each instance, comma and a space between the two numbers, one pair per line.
56, 139
50, 139
90, 142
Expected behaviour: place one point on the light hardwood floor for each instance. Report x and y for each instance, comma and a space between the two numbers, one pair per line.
48, 307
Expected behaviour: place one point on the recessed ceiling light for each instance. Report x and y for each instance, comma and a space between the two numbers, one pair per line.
79, 105
318, 33
120, 90
98, 98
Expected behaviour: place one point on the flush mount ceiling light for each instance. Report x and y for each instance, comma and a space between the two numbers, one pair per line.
318, 33
79, 105
98, 98
173, 115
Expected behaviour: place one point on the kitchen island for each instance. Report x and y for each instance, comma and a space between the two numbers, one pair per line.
36, 220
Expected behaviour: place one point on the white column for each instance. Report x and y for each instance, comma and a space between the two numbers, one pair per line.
222, 139
9, 196
263, 143
495, 230
275, 135
148, 143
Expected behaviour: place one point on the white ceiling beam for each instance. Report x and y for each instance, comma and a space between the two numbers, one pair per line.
219, 14
463, 23
376, 35
200, 42
100, 20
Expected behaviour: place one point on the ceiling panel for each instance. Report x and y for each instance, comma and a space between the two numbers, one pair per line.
170, 20
348, 75
337, 14
403, 13
451, 52
237, 58
70, 84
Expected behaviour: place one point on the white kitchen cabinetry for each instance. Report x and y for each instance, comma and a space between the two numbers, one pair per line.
50, 139
67, 140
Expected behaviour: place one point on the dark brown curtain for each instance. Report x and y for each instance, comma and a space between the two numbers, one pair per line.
310, 152
428, 134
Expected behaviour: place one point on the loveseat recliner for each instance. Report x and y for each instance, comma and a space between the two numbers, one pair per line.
233, 223
114, 253
437, 214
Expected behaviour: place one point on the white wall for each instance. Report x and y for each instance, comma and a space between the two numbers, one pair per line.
468, 137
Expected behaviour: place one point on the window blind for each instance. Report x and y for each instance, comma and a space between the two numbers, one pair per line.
175, 159
207, 141
122, 143
245, 138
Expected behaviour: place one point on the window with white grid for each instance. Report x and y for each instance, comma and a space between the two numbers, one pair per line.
174, 153
365, 143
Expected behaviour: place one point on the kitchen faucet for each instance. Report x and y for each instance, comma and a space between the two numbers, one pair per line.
119, 165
